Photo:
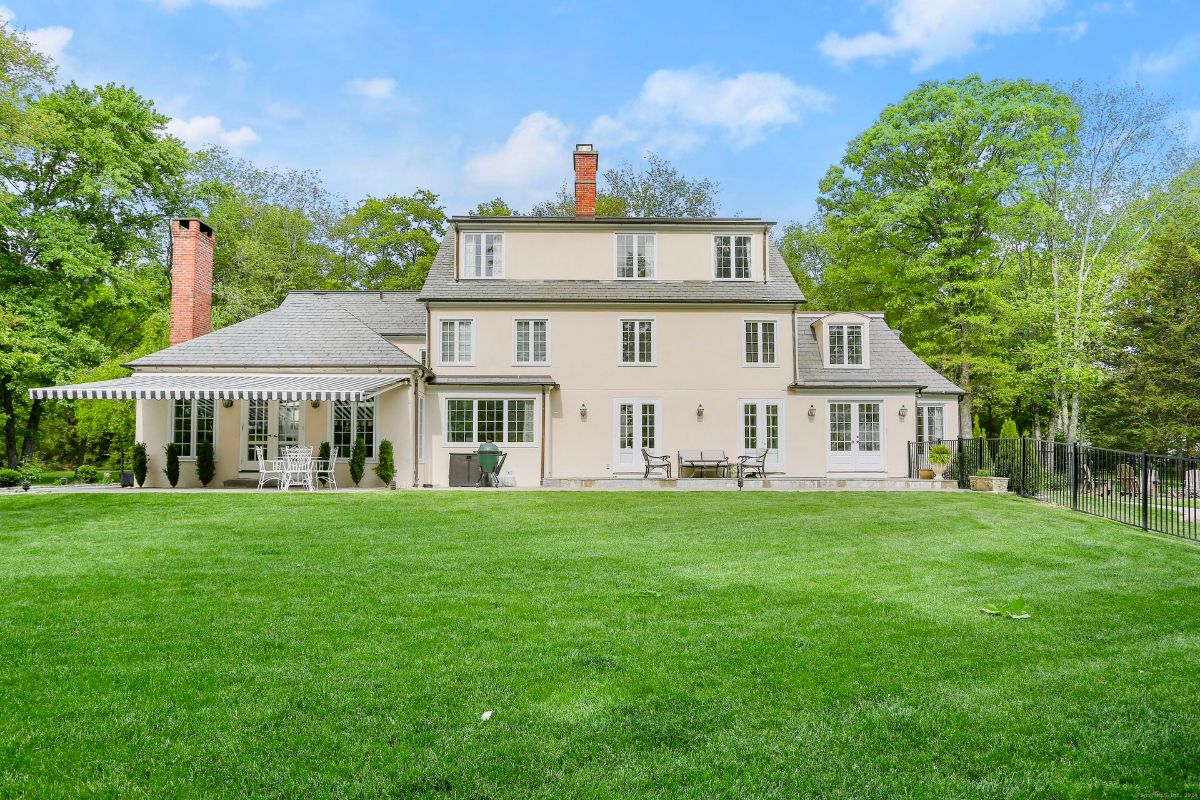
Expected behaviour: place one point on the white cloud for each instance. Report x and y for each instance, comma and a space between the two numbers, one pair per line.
50, 41
197, 131
374, 88
1165, 62
678, 109
933, 31
530, 163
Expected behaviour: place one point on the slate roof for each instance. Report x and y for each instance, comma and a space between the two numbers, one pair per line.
780, 287
307, 330
386, 313
892, 364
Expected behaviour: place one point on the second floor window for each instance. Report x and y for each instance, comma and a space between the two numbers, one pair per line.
483, 255
845, 345
635, 255
457, 341
732, 254
760, 342
637, 341
531, 341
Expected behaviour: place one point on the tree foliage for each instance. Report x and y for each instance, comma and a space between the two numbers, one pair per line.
391, 241
495, 207
385, 468
205, 466
358, 460
141, 463
171, 470
654, 189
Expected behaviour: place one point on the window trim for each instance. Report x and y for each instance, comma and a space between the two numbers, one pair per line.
760, 363
732, 269
653, 264
532, 362
618, 466
504, 398
924, 405
374, 457
442, 362
866, 345
780, 459
462, 272
653, 362
216, 431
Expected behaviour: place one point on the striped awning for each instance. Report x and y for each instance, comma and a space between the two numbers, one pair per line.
233, 386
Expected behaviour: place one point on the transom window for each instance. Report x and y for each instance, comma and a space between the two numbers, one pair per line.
845, 345
760, 342
458, 345
192, 423
732, 256
353, 421
531, 341
500, 420
637, 341
483, 255
635, 255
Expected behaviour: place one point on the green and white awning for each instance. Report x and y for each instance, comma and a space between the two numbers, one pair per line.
231, 386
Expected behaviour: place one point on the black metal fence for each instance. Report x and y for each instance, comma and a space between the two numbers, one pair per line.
1151, 491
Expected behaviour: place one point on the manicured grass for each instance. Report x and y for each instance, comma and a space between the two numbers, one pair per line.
627, 645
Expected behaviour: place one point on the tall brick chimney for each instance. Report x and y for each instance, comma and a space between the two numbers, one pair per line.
192, 244
587, 161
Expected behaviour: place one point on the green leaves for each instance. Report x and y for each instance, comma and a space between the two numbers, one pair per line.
392, 240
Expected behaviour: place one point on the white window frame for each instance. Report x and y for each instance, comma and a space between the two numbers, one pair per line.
776, 457
855, 432
653, 261
653, 362
475, 397
827, 330
732, 259
171, 426
775, 346
498, 270
532, 361
442, 362
636, 464
354, 404
924, 423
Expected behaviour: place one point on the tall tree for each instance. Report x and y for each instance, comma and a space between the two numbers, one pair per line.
393, 239
933, 188
655, 189
496, 207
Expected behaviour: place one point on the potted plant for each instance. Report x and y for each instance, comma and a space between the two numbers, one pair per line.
939, 459
984, 481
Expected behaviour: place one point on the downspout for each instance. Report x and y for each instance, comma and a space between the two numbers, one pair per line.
542, 476
413, 424
454, 231
795, 346
766, 249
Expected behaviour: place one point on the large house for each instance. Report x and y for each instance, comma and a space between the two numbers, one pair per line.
572, 343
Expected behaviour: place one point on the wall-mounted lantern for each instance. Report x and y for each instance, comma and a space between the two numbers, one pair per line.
227, 403
812, 412
903, 411
583, 410
316, 404
700, 411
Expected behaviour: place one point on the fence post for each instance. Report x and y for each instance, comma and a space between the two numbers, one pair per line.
1145, 490
1021, 485
1074, 476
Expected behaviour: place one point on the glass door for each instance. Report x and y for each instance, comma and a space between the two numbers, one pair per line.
271, 425
636, 426
855, 436
762, 426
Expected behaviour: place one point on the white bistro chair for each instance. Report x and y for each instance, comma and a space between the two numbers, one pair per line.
273, 470
325, 470
298, 466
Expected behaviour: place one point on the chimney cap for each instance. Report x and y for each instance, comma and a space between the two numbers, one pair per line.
584, 147
186, 222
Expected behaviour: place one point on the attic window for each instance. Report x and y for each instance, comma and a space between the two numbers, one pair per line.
483, 255
845, 345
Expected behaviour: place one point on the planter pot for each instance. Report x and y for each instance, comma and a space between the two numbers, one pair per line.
126, 479
939, 471
925, 474
25, 485
988, 483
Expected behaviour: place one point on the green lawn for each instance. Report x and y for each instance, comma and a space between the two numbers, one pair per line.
627, 645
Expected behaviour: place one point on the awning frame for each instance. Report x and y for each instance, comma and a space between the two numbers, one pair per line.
354, 387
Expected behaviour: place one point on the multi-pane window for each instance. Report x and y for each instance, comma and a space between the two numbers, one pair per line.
868, 427
840, 425
635, 255
732, 256
531, 341
483, 255
353, 421
637, 341
845, 345
760, 342
760, 426
192, 424
457, 341
930, 423
499, 420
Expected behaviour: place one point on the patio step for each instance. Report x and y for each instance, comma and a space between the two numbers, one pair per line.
756, 484
241, 483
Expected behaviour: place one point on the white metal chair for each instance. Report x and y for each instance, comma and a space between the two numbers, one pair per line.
298, 466
325, 470
273, 470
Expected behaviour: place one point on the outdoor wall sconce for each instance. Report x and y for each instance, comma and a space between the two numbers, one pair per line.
903, 411
316, 404
226, 403
583, 410
812, 412
700, 411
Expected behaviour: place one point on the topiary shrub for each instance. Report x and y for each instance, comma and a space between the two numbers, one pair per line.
141, 462
9, 477
86, 473
205, 468
358, 460
386, 467
1009, 429
323, 451
172, 468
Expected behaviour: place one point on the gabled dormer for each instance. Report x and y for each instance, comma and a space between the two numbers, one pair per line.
844, 340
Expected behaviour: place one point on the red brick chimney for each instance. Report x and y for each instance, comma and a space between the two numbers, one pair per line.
192, 244
586, 162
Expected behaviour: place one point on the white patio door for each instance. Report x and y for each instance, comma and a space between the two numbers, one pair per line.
856, 436
762, 426
637, 424
271, 425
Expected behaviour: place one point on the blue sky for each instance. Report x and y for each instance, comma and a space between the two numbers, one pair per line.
478, 100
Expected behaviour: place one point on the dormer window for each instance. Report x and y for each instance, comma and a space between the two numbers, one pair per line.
845, 345
635, 255
483, 255
731, 257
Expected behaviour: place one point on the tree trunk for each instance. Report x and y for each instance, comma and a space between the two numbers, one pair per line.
10, 426
31, 430
1037, 422
964, 405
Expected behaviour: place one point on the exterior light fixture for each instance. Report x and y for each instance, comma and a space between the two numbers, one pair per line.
903, 411
700, 411
583, 410
226, 403
812, 412
316, 404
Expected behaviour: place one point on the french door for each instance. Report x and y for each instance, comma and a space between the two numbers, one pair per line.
271, 425
636, 424
855, 436
762, 426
